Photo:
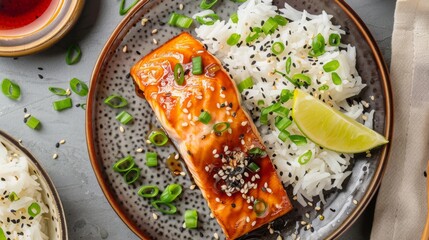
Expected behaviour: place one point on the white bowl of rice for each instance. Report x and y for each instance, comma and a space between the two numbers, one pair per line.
30, 208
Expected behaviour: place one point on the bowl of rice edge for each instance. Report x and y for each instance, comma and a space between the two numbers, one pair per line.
30, 207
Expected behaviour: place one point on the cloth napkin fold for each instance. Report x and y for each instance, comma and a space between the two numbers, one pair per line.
401, 204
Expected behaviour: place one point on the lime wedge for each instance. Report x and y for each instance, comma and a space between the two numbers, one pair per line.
330, 128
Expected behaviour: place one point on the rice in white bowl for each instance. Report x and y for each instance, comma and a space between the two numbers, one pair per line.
326, 170
15, 177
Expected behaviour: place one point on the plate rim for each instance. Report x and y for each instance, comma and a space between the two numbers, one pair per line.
384, 154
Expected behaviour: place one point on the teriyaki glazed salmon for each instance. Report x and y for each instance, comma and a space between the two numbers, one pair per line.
198, 105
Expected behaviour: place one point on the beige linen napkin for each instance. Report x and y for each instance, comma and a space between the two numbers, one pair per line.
401, 205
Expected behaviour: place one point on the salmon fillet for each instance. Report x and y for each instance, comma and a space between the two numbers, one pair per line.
240, 199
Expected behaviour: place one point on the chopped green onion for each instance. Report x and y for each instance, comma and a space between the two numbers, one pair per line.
284, 135
132, 175
285, 95
253, 167
239, 1
318, 45
208, 19
288, 64
148, 191
13, 197
277, 48
265, 111
197, 65
2, 235
116, 101
205, 117
288, 78
123, 10
78, 87
301, 79
270, 26
298, 139
124, 165
234, 17
282, 21
305, 158
283, 124
245, 84
331, 66
179, 20
233, 39
73, 54
158, 138
282, 112
221, 127
151, 159
83, 106
58, 91
324, 87
253, 35
257, 152
62, 104
171, 192
164, 207
10, 89
33, 122
191, 219
124, 117
334, 39
179, 74
34, 209
207, 4
261, 102
260, 207
336, 79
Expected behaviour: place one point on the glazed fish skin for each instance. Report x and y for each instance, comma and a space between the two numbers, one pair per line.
217, 162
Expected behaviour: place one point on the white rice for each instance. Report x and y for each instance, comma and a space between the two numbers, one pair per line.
326, 170
14, 218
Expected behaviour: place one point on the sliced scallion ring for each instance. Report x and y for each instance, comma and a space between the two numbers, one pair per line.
285, 95
207, 4
158, 138
288, 64
124, 165
124, 117
179, 20
33, 122
34, 209
208, 19
301, 79
197, 65
132, 175
305, 158
334, 39
205, 117
283, 123
336, 79
318, 46
2, 235
282, 112
151, 159
148, 191
73, 54
171, 192
58, 91
10, 89
233, 39
191, 219
13, 197
284, 135
63, 104
179, 74
257, 152
277, 48
298, 139
245, 84
254, 34
221, 127
324, 87
260, 207
116, 101
331, 66
253, 167
79, 87
164, 207
124, 10
270, 26
234, 18
282, 21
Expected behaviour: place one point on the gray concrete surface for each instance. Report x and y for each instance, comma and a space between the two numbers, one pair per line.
89, 215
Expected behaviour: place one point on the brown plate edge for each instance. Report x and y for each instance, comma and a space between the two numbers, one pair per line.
47, 178
373, 186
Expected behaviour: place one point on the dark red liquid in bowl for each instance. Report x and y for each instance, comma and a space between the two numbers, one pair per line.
18, 13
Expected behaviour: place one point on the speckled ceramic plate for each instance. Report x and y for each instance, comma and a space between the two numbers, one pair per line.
107, 143
56, 218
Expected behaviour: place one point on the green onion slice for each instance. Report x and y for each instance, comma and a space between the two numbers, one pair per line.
158, 138
336, 79
83, 106
34, 209
73, 54
301, 79
270, 26
257, 152
179, 74
221, 127
253, 167
171, 193
284, 135
288, 78
305, 158
239, 1
63, 104
132, 175
282, 21
283, 123
282, 112
324, 87
277, 48
116, 101
260, 207
285, 95
261, 102
207, 4
245, 84
58, 91
10, 89
33, 122
205, 117
79, 87
124, 117
197, 65
318, 45
13, 197
334, 39
123, 10
234, 18
298, 139
179, 20
233, 39
148, 191
331, 66
124, 165
208, 19
164, 207
151, 159
254, 34
2, 235
265, 111
191, 219
288, 64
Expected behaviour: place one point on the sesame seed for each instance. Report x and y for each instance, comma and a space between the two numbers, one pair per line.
212, 88
192, 123
307, 215
271, 231
308, 226
62, 141
247, 219
216, 236
154, 41
242, 142
279, 238
364, 117
55, 156
253, 223
199, 97
355, 202
121, 129
317, 208
154, 31
139, 150
184, 225
310, 204
68, 92
216, 156
125, 49
144, 21
214, 151
154, 216
212, 215
303, 223
183, 173
189, 117
184, 124
372, 98
189, 104
207, 168
185, 110
176, 156
265, 185
250, 207
222, 95
192, 187
148, 141
27, 115
181, 6
230, 120
244, 123
217, 199
269, 190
